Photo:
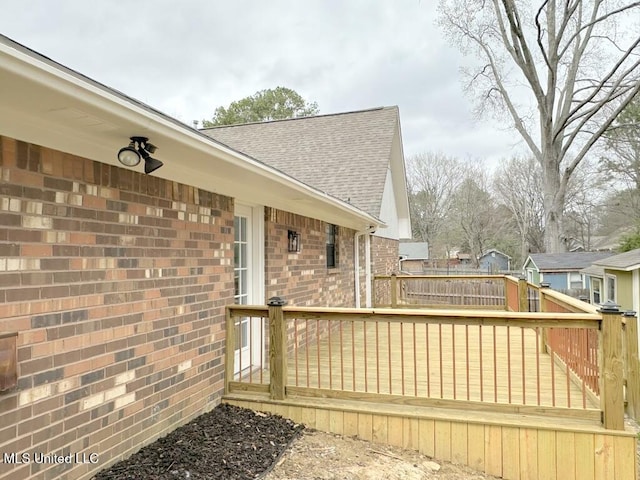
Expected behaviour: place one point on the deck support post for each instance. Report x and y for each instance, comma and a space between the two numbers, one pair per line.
277, 348
611, 375
506, 293
523, 295
229, 349
394, 290
542, 298
632, 363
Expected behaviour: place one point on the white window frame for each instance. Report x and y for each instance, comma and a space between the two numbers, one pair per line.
255, 282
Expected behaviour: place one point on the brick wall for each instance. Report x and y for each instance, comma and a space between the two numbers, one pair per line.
116, 282
384, 256
303, 278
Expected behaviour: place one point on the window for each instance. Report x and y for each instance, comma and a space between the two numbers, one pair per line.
596, 288
332, 246
575, 280
611, 288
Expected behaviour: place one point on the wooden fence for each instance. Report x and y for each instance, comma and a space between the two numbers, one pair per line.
458, 291
478, 359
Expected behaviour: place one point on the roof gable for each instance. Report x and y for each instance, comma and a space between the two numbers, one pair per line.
497, 252
346, 155
624, 261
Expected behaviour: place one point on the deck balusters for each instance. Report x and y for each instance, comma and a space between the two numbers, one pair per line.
509, 358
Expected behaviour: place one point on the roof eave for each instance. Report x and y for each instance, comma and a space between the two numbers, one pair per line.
50, 105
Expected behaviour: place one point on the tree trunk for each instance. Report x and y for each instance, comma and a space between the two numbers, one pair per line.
554, 192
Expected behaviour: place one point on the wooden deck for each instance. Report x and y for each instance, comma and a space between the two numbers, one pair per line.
476, 364
474, 387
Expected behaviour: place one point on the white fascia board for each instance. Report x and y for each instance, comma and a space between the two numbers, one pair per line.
399, 178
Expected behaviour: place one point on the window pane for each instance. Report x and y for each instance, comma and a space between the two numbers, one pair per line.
611, 289
236, 228
331, 258
243, 255
243, 282
243, 229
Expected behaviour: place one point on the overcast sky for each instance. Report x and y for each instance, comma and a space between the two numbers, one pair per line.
187, 57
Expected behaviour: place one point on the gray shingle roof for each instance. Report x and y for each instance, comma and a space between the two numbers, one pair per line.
345, 155
621, 261
555, 262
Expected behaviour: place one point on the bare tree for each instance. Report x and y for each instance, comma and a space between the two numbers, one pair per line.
474, 213
586, 194
433, 179
517, 184
562, 70
621, 158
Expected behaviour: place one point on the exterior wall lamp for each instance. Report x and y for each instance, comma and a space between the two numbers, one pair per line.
138, 148
293, 242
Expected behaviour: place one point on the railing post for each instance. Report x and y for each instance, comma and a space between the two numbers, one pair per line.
394, 290
506, 293
544, 338
611, 374
277, 348
523, 295
229, 349
631, 362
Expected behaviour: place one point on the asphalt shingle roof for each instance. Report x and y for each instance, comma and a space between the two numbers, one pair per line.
566, 261
345, 155
622, 260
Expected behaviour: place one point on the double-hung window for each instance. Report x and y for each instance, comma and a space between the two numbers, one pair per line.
596, 291
611, 288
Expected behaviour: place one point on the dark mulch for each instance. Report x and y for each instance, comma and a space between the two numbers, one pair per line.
228, 443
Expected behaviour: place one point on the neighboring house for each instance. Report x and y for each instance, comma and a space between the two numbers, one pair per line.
602, 243
464, 258
617, 279
116, 282
413, 256
560, 270
494, 261
354, 156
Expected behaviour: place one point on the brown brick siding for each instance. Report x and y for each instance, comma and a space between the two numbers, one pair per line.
303, 278
116, 282
384, 256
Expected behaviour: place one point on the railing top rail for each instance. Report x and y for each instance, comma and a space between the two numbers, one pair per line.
458, 316
249, 310
440, 277
570, 302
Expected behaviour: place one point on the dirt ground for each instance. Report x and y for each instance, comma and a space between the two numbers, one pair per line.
323, 456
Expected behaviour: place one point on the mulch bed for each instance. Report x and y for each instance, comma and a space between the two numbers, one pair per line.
228, 443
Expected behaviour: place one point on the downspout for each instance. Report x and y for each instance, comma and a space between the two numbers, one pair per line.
367, 265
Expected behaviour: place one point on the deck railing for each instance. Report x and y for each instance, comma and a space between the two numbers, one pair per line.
468, 359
